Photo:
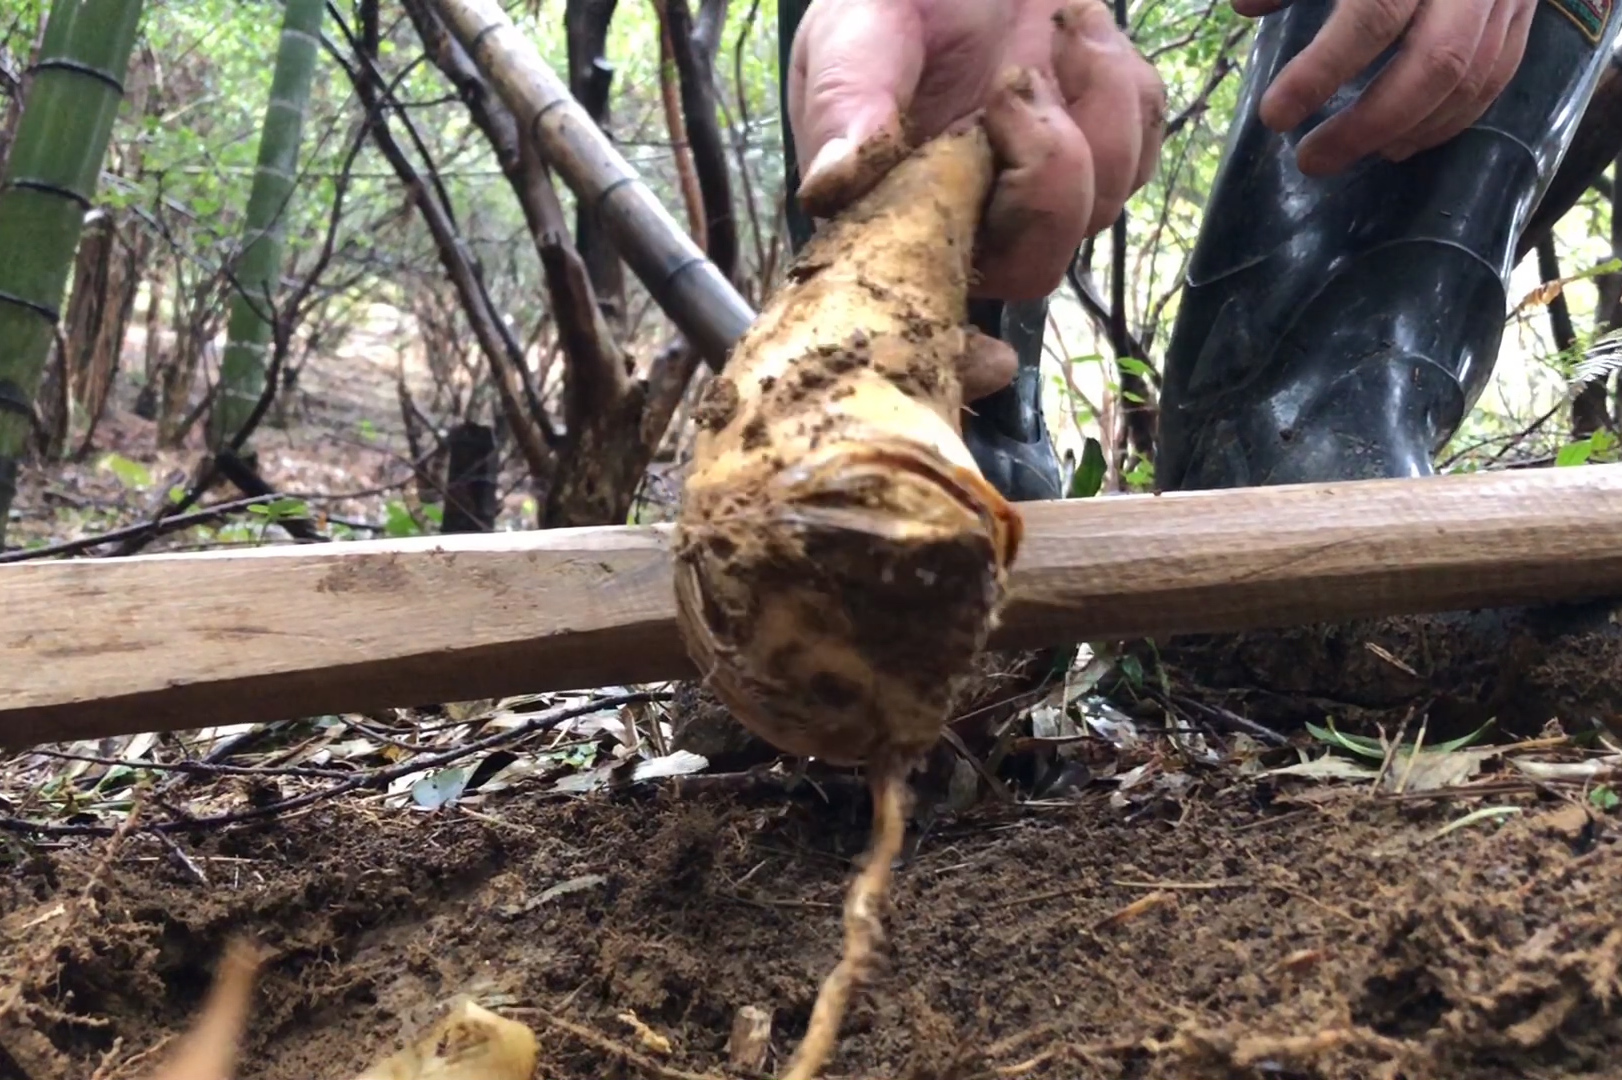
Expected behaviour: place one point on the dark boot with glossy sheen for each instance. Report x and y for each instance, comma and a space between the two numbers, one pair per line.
1006, 431
1340, 328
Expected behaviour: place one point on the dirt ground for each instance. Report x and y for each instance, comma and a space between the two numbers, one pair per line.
1237, 931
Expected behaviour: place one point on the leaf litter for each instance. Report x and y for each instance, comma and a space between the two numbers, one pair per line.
1161, 899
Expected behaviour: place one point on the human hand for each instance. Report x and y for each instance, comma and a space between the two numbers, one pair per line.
1456, 58
1073, 112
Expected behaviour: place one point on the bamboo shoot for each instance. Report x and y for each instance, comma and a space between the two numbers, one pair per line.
840, 559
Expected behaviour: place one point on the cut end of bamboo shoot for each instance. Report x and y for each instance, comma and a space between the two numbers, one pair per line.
469, 1043
841, 560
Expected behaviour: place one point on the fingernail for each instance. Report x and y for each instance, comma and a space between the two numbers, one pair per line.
836, 154
1090, 19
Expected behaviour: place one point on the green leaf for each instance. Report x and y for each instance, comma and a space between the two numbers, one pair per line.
1133, 365
1604, 798
1355, 744
280, 509
132, 474
441, 788
399, 521
1464, 740
1132, 669
1141, 476
1373, 748
1088, 478
1576, 453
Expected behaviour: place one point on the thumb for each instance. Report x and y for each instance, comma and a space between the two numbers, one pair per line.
985, 366
853, 71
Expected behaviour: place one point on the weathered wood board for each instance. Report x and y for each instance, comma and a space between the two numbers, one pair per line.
96, 647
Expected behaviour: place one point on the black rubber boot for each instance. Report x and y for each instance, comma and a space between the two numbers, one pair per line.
1341, 328
1006, 432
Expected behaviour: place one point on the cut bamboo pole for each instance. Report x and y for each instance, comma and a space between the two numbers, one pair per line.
689, 288
98, 647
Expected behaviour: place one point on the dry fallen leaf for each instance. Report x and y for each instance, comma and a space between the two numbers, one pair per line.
1542, 295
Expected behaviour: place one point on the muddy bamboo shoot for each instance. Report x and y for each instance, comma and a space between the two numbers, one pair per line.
839, 559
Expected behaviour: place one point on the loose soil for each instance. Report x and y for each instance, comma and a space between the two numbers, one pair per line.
1242, 929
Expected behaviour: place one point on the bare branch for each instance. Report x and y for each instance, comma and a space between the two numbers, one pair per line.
591, 78
670, 97
532, 431
693, 48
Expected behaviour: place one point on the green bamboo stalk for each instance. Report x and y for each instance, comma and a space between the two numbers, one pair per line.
248, 334
49, 183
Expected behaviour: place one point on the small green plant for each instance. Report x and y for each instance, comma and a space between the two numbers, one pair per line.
1140, 477
276, 512
1598, 448
398, 520
1377, 750
132, 474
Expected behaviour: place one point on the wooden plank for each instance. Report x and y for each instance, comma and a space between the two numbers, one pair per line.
98, 647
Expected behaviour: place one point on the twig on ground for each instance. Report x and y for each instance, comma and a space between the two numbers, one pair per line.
199, 768
1224, 717
762, 782
155, 528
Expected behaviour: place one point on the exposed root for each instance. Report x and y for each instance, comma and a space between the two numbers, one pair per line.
209, 1050
864, 928
619, 1050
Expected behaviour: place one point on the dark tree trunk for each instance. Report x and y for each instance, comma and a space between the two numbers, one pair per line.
470, 479
693, 47
1594, 146
591, 78
106, 276
146, 402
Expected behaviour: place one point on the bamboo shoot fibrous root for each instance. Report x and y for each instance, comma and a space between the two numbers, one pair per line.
209, 1050
840, 559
